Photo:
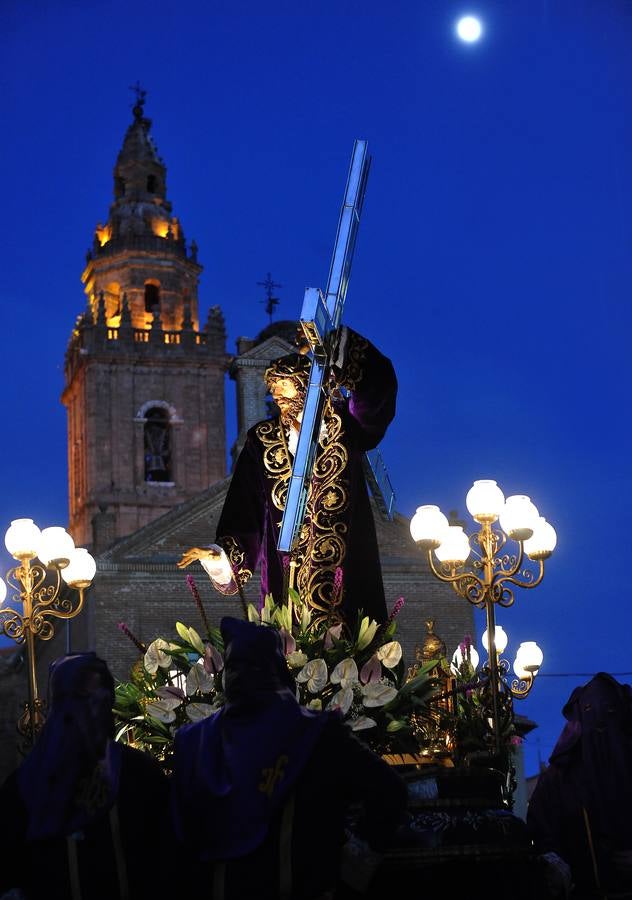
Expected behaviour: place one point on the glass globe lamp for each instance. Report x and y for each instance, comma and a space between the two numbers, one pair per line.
80, 570
485, 501
529, 657
518, 517
55, 546
428, 527
542, 542
22, 539
454, 548
500, 639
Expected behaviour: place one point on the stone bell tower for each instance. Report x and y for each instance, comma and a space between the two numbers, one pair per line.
144, 384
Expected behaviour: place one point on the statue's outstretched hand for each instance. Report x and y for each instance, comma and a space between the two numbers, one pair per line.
198, 553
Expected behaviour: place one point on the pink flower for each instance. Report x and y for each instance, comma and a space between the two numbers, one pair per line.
338, 578
139, 646
289, 644
213, 662
397, 607
371, 671
515, 740
198, 601
331, 633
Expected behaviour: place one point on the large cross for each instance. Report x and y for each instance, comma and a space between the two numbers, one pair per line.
320, 316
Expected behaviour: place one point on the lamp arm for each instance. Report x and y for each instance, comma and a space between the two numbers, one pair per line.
520, 687
65, 608
466, 584
12, 624
43, 597
528, 580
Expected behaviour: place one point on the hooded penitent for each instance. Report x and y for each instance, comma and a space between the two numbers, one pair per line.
71, 775
241, 763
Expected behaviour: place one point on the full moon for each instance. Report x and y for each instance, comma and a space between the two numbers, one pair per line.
469, 29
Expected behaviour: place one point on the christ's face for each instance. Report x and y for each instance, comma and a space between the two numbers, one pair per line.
287, 397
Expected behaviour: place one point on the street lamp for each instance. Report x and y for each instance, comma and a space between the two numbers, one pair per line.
484, 569
59, 563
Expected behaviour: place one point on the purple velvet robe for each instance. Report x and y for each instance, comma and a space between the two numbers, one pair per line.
338, 529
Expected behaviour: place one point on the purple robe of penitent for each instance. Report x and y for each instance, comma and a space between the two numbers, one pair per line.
338, 530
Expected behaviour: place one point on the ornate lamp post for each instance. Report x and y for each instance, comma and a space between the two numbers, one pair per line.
484, 569
59, 563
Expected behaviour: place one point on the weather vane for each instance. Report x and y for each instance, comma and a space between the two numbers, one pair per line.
270, 300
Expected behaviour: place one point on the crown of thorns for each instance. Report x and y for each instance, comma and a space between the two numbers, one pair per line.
293, 366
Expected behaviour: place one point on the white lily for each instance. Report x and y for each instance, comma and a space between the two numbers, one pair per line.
367, 632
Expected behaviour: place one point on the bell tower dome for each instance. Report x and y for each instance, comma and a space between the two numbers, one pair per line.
144, 384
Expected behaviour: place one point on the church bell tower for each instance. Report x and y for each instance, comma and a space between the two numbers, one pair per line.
144, 384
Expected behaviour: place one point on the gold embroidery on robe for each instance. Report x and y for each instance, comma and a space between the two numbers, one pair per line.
354, 362
236, 558
322, 545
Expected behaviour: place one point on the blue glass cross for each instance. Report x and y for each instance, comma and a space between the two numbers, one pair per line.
320, 316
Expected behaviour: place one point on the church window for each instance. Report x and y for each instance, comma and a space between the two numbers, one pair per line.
152, 184
157, 437
152, 296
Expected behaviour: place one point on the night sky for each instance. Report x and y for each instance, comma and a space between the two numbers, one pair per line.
493, 263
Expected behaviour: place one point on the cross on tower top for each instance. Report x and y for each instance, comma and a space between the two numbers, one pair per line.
270, 301
141, 94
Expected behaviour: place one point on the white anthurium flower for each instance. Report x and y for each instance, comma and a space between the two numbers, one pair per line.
168, 691
156, 656
315, 674
378, 694
362, 723
342, 700
316, 703
346, 673
390, 654
296, 659
198, 679
163, 710
367, 632
198, 711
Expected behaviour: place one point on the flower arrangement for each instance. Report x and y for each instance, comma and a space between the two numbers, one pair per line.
179, 679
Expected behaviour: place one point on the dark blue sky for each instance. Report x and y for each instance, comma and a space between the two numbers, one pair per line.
493, 263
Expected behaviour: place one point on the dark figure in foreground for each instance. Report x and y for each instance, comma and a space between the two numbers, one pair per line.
84, 818
263, 787
580, 808
338, 530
